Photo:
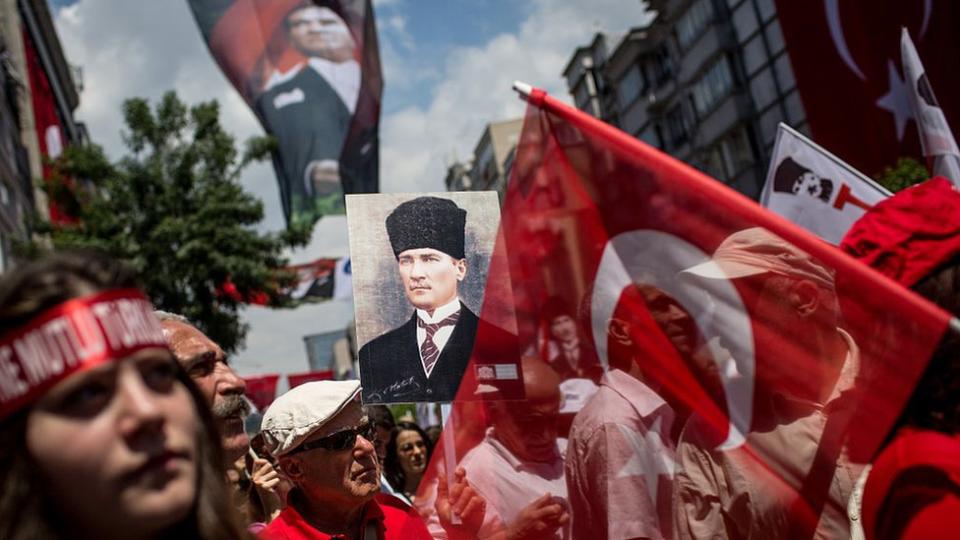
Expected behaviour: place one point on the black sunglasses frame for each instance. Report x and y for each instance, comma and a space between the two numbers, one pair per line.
342, 440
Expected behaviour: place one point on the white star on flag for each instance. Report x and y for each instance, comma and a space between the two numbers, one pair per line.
650, 457
896, 100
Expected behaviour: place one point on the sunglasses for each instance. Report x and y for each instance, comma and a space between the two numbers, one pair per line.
342, 440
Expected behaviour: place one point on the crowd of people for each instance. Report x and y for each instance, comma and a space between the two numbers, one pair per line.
117, 421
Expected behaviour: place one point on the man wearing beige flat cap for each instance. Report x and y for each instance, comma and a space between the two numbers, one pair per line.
804, 364
324, 444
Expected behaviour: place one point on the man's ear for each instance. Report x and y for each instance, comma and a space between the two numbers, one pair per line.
804, 297
291, 468
461, 266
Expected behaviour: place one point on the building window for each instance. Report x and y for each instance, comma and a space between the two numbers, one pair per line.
737, 152
713, 86
692, 23
774, 37
658, 129
651, 136
744, 21
754, 55
489, 174
784, 73
576, 70
676, 127
634, 117
581, 96
629, 86
763, 89
662, 65
713, 165
767, 9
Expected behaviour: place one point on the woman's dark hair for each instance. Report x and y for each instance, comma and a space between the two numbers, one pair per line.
391, 464
26, 511
934, 404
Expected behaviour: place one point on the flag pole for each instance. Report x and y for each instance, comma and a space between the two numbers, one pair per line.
449, 453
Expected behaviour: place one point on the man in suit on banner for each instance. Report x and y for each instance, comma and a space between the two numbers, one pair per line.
425, 358
309, 108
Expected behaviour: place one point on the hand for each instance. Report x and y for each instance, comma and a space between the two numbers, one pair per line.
539, 519
265, 480
461, 500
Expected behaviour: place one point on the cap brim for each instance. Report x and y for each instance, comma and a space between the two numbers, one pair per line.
723, 270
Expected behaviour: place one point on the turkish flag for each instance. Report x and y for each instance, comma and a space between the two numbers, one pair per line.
261, 390
847, 65
763, 366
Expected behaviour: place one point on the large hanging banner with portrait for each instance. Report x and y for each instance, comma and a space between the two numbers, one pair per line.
310, 70
420, 267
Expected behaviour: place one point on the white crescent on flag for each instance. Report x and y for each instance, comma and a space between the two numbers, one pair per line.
832, 9
656, 258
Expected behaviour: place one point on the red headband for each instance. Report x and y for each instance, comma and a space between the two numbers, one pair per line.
78, 334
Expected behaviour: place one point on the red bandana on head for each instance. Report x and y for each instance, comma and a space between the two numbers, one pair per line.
78, 334
909, 235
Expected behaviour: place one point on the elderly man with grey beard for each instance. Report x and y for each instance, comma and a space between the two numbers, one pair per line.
206, 363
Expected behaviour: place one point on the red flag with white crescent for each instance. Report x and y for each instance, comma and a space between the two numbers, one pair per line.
750, 368
846, 62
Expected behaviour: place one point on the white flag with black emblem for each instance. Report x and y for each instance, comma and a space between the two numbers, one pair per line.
935, 136
815, 189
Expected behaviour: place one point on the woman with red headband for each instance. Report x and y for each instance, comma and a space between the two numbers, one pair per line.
913, 489
102, 434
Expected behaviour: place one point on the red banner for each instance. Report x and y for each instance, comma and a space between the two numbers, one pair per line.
296, 379
261, 390
751, 369
47, 122
846, 61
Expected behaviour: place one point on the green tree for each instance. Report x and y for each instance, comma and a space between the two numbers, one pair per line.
905, 173
173, 207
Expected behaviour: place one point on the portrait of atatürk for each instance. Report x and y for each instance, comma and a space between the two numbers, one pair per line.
421, 349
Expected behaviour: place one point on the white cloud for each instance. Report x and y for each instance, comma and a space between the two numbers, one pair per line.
475, 87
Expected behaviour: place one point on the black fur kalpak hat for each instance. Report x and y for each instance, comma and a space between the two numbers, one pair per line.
427, 222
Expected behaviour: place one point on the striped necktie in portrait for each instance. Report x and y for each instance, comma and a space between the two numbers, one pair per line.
429, 351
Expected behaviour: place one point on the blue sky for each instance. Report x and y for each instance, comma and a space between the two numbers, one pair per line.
430, 29
448, 69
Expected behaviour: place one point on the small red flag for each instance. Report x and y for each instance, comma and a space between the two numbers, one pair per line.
296, 379
261, 390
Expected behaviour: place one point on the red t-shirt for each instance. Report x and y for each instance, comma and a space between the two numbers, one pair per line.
913, 490
389, 517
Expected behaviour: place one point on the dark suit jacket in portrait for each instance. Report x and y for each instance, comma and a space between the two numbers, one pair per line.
391, 370
310, 122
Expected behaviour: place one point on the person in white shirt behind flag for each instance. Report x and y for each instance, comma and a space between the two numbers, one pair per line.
620, 457
518, 467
